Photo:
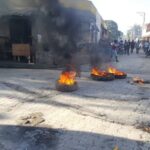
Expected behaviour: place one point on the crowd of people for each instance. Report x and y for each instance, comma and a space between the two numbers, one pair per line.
127, 47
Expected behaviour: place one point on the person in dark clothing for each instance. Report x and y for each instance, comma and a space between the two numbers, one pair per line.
132, 46
121, 48
129, 43
127, 47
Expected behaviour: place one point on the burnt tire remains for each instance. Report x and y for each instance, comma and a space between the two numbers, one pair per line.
108, 77
66, 88
121, 76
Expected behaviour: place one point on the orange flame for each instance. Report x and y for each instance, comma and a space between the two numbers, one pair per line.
138, 80
115, 71
97, 72
116, 148
67, 78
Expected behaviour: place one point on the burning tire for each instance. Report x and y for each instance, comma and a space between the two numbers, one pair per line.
66, 88
117, 73
67, 82
108, 77
100, 75
121, 76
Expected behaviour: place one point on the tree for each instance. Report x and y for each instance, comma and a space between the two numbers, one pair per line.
113, 28
120, 34
135, 32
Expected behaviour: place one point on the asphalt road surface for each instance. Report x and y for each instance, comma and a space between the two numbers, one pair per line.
98, 116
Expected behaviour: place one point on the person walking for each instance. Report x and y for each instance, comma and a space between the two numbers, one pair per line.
132, 46
114, 50
137, 46
146, 46
121, 48
127, 47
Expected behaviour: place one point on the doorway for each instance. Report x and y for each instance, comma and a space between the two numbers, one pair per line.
20, 30
20, 38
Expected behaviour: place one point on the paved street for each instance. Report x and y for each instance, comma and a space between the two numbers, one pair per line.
98, 116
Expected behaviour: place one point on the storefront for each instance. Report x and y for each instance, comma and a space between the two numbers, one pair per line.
146, 32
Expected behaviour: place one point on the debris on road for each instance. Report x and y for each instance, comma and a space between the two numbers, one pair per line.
139, 80
33, 119
144, 127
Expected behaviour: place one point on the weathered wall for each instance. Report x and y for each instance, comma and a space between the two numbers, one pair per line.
4, 28
7, 7
60, 28
62, 32
83, 5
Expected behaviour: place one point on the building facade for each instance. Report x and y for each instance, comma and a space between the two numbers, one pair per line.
146, 32
47, 32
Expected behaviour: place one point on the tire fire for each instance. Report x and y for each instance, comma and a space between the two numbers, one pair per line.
67, 78
67, 82
117, 73
100, 75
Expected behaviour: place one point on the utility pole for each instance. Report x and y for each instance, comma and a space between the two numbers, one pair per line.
142, 14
